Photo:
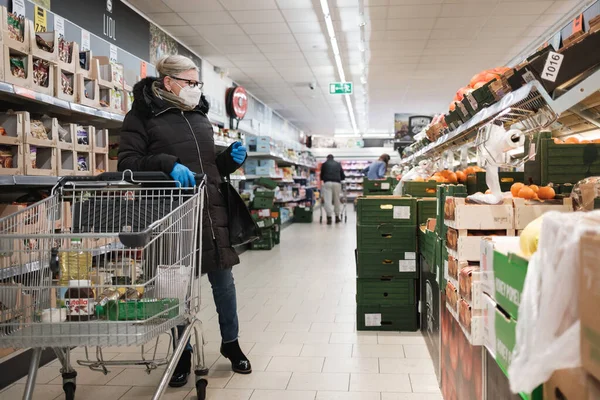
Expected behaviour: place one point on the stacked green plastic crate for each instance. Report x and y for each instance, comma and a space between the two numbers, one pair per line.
387, 276
261, 210
380, 187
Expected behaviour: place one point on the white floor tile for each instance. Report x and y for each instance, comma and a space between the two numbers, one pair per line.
146, 392
276, 349
282, 395
327, 350
319, 381
424, 383
288, 327
261, 337
354, 337
306, 338
411, 396
416, 351
347, 396
41, 392
401, 339
223, 394
352, 365
259, 363
296, 364
260, 380
378, 350
406, 366
380, 383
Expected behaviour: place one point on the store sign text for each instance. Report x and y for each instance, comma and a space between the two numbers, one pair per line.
109, 25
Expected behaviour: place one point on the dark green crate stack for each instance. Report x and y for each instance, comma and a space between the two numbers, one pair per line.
562, 163
419, 189
269, 228
380, 187
476, 182
303, 214
386, 265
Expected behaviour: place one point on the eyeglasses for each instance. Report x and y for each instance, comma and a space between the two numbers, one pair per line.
189, 82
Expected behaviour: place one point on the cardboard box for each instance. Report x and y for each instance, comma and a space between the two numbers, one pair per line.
459, 214
571, 384
528, 210
589, 299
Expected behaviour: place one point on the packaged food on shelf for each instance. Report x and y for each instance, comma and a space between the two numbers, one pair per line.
16, 31
45, 45
80, 301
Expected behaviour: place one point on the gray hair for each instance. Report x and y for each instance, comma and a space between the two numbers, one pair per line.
173, 65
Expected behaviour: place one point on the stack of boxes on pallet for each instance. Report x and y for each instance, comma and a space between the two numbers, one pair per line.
42, 146
267, 217
387, 276
46, 63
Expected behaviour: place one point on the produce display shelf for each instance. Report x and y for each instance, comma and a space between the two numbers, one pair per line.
41, 102
237, 177
532, 97
24, 180
280, 159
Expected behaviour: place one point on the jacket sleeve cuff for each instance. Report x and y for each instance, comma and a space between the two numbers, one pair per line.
167, 163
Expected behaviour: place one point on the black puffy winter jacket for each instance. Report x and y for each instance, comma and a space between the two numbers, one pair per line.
155, 135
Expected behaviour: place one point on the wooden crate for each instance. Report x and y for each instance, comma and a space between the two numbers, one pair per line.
51, 127
66, 161
102, 71
17, 163
89, 87
67, 143
70, 66
100, 163
459, 214
49, 88
16, 126
25, 45
82, 137
58, 88
100, 141
88, 158
44, 163
85, 70
528, 210
26, 82
37, 52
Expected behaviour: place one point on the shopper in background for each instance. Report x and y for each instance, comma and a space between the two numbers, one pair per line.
168, 130
332, 175
378, 169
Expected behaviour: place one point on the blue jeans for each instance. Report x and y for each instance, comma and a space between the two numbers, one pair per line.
223, 287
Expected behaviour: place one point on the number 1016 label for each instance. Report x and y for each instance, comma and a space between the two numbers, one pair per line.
553, 63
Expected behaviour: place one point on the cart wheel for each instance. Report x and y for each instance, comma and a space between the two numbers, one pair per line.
201, 389
69, 389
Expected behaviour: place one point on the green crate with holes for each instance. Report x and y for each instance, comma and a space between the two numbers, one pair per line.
266, 241
396, 210
386, 318
303, 215
426, 208
386, 291
386, 238
377, 265
378, 187
419, 189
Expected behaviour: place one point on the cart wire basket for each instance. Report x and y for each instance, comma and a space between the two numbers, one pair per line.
104, 261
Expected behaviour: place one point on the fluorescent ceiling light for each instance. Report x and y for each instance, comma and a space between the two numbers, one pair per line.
325, 7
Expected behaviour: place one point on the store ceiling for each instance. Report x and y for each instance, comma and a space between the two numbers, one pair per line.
418, 52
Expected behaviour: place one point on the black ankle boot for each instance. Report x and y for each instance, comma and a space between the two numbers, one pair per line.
182, 370
239, 362
337, 219
329, 221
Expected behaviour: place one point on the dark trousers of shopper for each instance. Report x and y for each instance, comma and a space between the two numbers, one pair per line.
223, 288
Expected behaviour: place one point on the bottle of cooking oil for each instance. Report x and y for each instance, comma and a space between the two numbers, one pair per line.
75, 263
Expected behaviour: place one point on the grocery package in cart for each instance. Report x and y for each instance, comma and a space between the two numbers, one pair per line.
104, 261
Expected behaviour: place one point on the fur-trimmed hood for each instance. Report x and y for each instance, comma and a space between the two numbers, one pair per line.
146, 103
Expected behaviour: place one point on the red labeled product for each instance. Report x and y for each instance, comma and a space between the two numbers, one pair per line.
80, 301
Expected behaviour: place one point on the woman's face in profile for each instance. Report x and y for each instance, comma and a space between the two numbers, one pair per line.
177, 82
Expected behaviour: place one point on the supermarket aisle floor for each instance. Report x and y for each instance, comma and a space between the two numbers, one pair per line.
297, 315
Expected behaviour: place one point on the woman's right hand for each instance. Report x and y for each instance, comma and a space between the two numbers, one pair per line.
183, 175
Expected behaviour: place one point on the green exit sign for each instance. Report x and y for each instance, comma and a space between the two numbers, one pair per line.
340, 88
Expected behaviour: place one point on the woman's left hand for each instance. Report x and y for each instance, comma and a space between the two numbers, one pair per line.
238, 153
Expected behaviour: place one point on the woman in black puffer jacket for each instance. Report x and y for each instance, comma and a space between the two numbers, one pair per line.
168, 130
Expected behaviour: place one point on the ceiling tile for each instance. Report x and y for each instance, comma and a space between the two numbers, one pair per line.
285, 56
239, 49
456, 23
459, 33
305, 27
272, 39
194, 40
218, 30
420, 11
318, 62
523, 8
166, 19
220, 61
398, 45
266, 29
181, 31
487, 33
258, 16
416, 2
150, 6
301, 15
230, 39
252, 64
249, 5
182, 6
448, 43
294, 4
310, 38
515, 21
278, 47
374, 13
468, 10
208, 18
207, 50
410, 24
285, 63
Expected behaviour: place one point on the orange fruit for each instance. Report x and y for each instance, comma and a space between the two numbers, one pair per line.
461, 177
527, 193
451, 177
572, 140
558, 141
546, 193
535, 188
515, 188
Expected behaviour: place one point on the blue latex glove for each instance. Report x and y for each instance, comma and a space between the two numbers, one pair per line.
238, 153
183, 175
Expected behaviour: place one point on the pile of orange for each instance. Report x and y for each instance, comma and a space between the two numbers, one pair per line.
574, 140
532, 192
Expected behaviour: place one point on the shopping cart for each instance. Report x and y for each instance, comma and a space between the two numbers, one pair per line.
121, 271
343, 200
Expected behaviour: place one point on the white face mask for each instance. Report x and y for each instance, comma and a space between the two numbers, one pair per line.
190, 95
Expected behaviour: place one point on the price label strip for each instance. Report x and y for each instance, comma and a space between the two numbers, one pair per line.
552, 66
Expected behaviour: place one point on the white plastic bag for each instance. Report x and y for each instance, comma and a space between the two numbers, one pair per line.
423, 171
548, 327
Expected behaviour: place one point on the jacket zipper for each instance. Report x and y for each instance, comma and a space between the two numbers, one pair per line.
212, 231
